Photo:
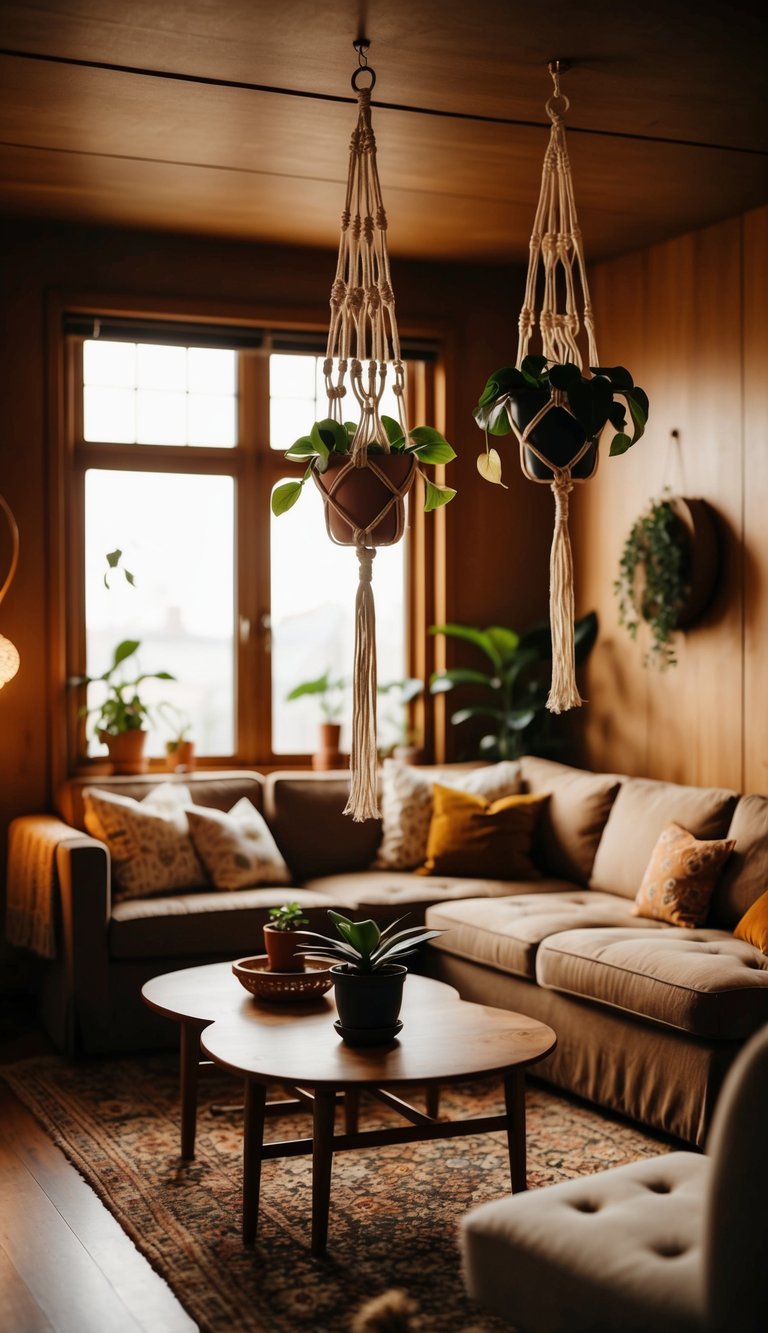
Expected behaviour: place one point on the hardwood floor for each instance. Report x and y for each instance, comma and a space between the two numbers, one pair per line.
65, 1264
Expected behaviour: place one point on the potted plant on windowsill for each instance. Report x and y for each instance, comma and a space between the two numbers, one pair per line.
369, 976
119, 721
562, 412
281, 938
179, 749
363, 493
329, 690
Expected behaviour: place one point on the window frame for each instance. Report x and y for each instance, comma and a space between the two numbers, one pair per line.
255, 468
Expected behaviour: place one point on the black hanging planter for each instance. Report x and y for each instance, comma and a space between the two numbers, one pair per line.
558, 436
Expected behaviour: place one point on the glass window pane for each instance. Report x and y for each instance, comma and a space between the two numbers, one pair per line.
110, 363
313, 622
212, 370
212, 419
177, 535
292, 376
161, 417
290, 418
161, 367
109, 415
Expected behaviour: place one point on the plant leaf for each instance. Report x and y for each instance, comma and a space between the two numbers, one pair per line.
284, 497
562, 376
505, 641
393, 429
619, 376
123, 650
440, 451
489, 467
441, 681
302, 448
479, 637
436, 495
619, 445
476, 710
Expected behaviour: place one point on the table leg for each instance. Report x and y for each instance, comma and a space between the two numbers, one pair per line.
351, 1110
514, 1099
253, 1138
189, 1065
433, 1100
322, 1161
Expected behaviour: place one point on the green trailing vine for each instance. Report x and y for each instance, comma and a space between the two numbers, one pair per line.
654, 579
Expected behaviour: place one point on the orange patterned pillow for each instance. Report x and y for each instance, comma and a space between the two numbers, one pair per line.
753, 926
680, 877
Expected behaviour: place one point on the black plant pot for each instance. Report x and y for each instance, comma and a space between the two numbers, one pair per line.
558, 436
368, 1004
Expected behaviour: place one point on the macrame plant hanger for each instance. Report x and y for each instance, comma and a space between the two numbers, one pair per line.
364, 494
556, 249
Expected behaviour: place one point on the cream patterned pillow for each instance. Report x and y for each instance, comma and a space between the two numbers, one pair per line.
407, 804
237, 849
148, 840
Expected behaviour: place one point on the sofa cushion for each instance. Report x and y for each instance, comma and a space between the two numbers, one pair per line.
570, 828
305, 812
753, 926
386, 894
407, 803
186, 925
469, 835
680, 877
149, 843
642, 809
237, 848
505, 933
700, 981
745, 877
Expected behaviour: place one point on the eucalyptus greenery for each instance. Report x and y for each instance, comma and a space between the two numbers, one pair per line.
512, 696
592, 400
654, 579
330, 439
362, 946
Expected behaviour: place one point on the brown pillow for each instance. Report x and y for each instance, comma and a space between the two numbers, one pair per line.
482, 839
680, 877
753, 926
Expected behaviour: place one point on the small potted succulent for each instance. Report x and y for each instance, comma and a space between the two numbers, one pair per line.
362, 494
369, 975
280, 937
564, 410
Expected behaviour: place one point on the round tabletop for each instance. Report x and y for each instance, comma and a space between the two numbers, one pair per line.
444, 1038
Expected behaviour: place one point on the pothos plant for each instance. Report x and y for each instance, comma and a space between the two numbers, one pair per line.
592, 400
654, 579
329, 440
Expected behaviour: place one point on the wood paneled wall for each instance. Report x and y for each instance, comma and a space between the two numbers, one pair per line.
688, 318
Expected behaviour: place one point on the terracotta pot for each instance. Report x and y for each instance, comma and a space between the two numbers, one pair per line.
558, 436
281, 950
182, 756
328, 755
369, 1002
360, 495
126, 751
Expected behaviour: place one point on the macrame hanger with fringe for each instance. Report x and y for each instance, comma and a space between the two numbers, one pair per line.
556, 249
363, 346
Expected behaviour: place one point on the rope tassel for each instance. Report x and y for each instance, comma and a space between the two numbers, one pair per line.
563, 693
363, 802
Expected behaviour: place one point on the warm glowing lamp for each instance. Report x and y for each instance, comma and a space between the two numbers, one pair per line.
9, 657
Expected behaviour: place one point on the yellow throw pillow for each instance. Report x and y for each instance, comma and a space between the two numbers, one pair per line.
681, 876
753, 926
482, 839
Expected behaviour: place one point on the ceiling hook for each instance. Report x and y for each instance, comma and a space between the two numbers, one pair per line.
361, 45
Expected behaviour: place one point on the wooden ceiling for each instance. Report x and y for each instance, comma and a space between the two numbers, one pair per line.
232, 118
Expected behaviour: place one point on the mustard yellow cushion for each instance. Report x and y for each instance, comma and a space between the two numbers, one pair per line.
681, 876
753, 926
469, 835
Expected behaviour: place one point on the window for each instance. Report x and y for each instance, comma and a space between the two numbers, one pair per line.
177, 435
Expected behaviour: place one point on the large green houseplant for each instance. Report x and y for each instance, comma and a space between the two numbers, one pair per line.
369, 974
511, 697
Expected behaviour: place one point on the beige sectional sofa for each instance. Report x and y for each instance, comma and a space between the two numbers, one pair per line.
649, 1016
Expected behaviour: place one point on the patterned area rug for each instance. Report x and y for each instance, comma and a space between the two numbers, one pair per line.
394, 1211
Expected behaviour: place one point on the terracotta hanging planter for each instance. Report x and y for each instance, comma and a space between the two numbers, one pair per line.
369, 499
558, 436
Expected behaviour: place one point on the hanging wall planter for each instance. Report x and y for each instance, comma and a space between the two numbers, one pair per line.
557, 410
667, 573
365, 468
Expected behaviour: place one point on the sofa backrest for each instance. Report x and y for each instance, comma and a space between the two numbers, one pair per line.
219, 790
745, 876
305, 812
641, 811
572, 821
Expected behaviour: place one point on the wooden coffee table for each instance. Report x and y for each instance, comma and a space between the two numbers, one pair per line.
444, 1040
